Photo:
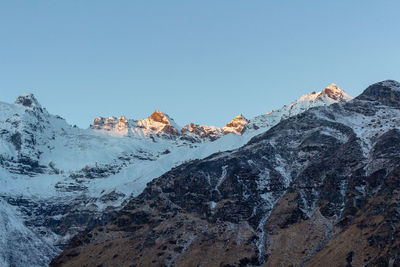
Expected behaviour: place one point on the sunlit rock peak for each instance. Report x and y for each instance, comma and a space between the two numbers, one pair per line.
236, 126
159, 116
334, 92
159, 123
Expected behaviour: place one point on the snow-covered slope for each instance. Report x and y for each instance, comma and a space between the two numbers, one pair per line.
19, 245
60, 179
331, 94
243, 130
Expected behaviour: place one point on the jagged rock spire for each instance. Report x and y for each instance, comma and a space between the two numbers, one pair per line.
28, 100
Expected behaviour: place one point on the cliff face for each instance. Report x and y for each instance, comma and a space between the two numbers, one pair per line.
320, 188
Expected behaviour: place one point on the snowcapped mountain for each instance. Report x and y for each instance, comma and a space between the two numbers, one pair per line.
161, 125
56, 179
331, 94
320, 188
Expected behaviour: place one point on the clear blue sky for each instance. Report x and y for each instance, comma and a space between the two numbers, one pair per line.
201, 61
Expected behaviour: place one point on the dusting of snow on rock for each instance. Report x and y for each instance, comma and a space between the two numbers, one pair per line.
393, 85
330, 95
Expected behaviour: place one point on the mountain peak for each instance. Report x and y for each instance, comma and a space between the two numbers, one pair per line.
28, 100
159, 116
333, 87
334, 92
239, 117
386, 92
237, 125
160, 123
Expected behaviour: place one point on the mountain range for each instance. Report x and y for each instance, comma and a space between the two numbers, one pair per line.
318, 188
280, 188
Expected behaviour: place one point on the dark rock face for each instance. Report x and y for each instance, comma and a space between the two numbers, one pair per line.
28, 100
318, 189
15, 139
59, 217
386, 93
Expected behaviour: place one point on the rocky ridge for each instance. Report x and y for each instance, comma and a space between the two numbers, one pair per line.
160, 124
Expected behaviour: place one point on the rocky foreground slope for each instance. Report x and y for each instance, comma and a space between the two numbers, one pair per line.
318, 189
57, 179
